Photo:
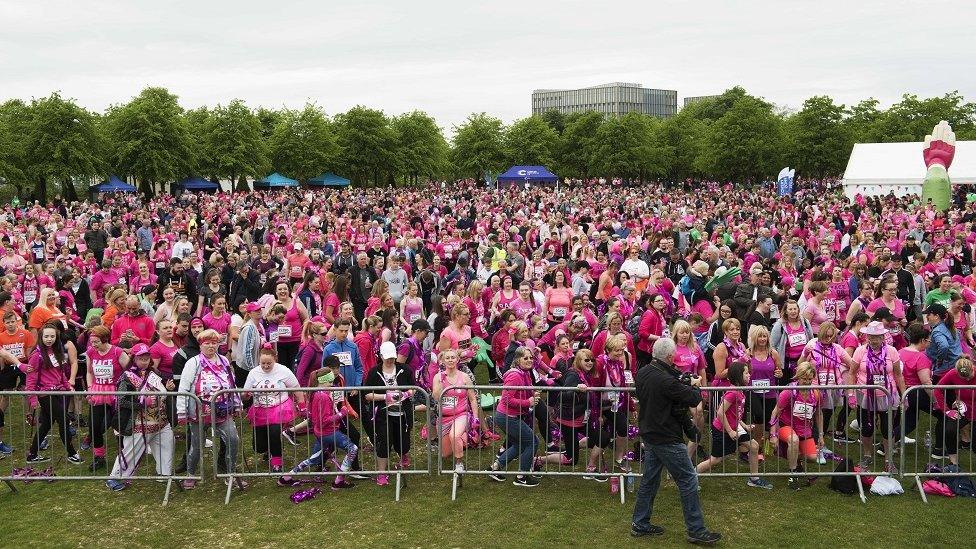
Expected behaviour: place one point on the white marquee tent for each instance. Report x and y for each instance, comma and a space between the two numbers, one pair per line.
879, 168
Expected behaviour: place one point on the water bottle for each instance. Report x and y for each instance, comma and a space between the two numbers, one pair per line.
614, 484
928, 440
631, 484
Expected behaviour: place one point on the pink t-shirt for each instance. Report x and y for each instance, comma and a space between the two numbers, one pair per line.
912, 362
688, 359
159, 351
736, 401
798, 409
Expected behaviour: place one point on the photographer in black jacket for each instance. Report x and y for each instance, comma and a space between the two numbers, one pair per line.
663, 420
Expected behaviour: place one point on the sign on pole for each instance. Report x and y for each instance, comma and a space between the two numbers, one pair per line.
784, 183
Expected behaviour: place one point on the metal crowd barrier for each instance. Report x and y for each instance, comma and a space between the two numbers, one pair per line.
311, 460
611, 434
596, 451
943, 436
66, 419
774, 464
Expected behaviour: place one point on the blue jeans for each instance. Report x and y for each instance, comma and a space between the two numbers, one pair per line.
337, 439
519, 441
673, 457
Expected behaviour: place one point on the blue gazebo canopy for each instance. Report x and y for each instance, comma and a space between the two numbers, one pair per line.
198, 184
114, 185
531, 174
275, 180
329, 179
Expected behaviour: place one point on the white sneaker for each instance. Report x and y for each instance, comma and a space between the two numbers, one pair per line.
208, 443
856, 426
909, 440
820, 457
459, 467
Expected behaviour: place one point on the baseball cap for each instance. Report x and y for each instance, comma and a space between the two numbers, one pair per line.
253, 306
420, 324
936, 309
140, 349
388, 350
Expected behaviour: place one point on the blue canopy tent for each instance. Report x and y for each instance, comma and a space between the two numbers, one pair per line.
328, 179
113, 185
527, 174
198, 184
275, 181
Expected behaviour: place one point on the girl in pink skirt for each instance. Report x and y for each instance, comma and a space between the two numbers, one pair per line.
270, 410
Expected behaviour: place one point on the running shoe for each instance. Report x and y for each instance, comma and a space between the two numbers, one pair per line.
459, 468
43, 445
86, 443
405, 461
793, 483
496, 476
759, 483
938, 453
115, 485
855, 426
383, 480
342, 484
37, 458
97, 463
650, 530
208, 443
359, 476
188, 484
526, 481
5, 450
842, 438
909, 440
287, 481
276, 468
891, 468
705, 538
289, 435
75, 459
821, 458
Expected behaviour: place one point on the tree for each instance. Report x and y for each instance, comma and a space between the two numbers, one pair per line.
234, 140
478, 146
421, 147
626, 147
530, 141
912, 118
61, 145
818, 141
150, 139
556, 120
303, 144
368, 144
685, 135
14, 123
575, 149
745, 143
198, 127
863, 122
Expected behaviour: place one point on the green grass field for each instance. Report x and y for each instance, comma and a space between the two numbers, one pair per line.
561, 512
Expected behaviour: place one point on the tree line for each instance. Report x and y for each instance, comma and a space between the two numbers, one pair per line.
53, 146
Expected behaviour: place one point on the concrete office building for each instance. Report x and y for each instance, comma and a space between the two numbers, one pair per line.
698, 98
615, 99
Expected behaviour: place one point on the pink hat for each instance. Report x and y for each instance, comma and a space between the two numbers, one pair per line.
874, 328
253, 307
140, 349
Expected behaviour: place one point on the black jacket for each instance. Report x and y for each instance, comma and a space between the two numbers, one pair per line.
662, 398
247, 288
358, 292
182, 283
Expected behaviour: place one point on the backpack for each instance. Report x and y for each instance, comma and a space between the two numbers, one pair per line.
961, 485
846, 485
633, 323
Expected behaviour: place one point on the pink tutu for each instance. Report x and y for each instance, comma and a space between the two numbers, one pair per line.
96, 400
283, 413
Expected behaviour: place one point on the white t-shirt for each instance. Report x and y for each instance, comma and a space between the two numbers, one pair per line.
236, 321
278, 378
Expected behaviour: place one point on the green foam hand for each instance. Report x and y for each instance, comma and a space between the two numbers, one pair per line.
938, 152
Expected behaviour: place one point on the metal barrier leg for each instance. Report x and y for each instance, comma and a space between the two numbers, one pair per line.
11, 486
860, 489
454, 486
921, 491
230, 487
169, 487
622, 491
399, 483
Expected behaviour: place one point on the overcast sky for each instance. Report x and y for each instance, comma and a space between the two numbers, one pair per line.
451, 58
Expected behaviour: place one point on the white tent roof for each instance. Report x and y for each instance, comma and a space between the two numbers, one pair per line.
878, 168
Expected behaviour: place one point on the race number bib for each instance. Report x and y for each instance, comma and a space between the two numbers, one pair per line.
797, 339
878, 379
344, 358
803, 410
449, 402
102, 371
826, 378
273, 337
414, 317
961, 407
628, 377
160, 265
559, 312
480, 320
30, 296
338, 396
760, 383
284, 331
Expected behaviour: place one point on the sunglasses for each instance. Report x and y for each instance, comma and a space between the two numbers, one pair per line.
589, 360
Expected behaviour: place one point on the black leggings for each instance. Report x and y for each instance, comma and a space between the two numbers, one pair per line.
616, 423
542, 419
947, 433
366, 415
392, 432
918, 401
53, 409
594, 437
101, 420
866, 418
841, 420
288, 354
267, 439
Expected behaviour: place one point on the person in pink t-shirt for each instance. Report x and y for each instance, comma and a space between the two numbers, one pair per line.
917, 370
729, 433
791, 425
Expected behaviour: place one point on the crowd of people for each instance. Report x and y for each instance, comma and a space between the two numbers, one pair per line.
443, 286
